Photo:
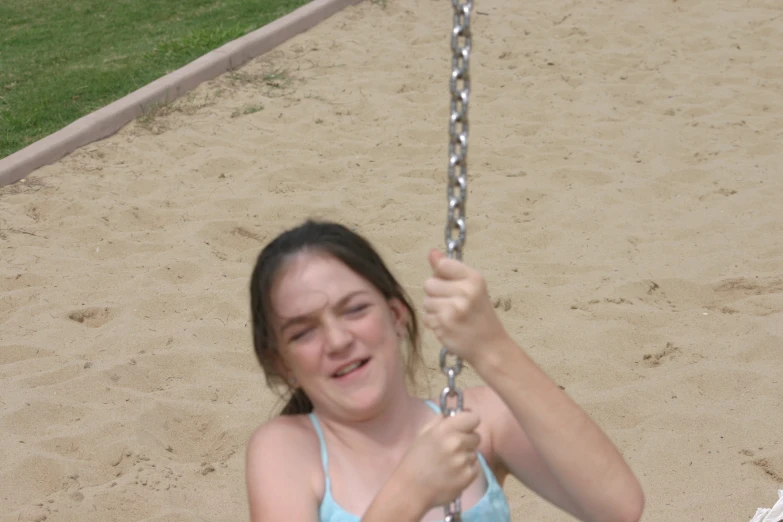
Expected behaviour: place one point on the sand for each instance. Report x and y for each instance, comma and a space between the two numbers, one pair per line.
625, 207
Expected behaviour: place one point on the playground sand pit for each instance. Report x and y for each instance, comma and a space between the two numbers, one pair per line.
624, 206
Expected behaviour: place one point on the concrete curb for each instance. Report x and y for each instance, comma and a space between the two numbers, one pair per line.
108, 120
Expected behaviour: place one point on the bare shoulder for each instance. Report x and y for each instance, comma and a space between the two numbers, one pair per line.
493, 410
283, 473
484, 401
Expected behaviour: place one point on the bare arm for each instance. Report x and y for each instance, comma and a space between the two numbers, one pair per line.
395, 503
575, 464
551, 444
515, 454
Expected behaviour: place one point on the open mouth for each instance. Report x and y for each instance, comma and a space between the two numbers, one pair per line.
351, 368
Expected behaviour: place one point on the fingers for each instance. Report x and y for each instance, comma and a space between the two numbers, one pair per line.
471, 458
430, 424
446, 268
453, 279
429, 321
473, 463
433, 305
474, 468
464, 421
446, 309
435, 256
463, 443
435, 287
470, 442
470, 470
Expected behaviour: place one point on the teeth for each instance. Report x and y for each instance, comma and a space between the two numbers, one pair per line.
349, 369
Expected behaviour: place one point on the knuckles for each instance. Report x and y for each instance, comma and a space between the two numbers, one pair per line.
461, 308
451, 444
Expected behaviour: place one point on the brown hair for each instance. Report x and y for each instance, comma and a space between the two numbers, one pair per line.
348, 247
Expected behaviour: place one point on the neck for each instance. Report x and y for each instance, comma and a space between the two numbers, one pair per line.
391, 429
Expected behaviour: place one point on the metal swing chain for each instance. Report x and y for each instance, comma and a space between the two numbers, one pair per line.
457, 191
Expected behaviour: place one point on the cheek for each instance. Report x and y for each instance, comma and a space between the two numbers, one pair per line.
377, 331
306, 357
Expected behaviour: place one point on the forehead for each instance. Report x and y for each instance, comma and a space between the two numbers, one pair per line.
312, 280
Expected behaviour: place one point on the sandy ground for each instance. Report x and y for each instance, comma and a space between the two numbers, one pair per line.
625, 206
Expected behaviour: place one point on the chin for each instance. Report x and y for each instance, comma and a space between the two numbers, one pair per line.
364, 405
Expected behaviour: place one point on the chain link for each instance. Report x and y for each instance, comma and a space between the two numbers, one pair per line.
457, 191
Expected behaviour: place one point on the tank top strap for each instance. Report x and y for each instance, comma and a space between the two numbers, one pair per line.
433, 406
322, 442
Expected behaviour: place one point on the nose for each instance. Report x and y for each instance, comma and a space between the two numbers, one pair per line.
338, 336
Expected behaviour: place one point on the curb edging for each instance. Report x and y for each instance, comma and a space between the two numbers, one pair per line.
108, 120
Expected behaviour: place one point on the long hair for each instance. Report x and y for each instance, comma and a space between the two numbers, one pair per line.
348, 247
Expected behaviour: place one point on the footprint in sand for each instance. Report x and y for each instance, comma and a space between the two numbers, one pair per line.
656, 294
157, 477
189, 434
741, 287
773, 469
145, 378
228, 238
771, 466
652, 360
759, 294
643, 292
503, 303
93, 317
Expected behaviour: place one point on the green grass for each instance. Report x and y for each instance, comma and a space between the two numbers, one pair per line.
61, 60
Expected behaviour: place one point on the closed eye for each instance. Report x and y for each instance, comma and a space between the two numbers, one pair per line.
357, 309
300, 334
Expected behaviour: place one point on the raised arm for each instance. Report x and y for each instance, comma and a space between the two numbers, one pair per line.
573, 463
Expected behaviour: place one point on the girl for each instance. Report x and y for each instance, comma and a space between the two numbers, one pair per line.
353, 444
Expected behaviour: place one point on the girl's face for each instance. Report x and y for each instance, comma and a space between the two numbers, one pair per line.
338, 335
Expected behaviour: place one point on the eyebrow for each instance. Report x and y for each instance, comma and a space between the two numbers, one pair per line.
292, 321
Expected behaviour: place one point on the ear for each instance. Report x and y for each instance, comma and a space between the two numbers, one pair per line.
400, 316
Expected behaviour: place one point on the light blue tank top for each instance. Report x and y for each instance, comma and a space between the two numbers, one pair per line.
492, 507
